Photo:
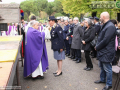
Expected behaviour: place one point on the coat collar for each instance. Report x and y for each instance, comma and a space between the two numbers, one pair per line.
105, 24
88, 29
77, 24
54, 25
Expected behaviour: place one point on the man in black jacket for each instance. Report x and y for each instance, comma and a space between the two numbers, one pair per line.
106, 50
97, 30
69, 37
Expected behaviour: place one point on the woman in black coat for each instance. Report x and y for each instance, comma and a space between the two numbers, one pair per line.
89, 35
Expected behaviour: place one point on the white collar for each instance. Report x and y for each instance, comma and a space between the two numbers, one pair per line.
54, 25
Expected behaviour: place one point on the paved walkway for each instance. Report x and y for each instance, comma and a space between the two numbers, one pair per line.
73, 78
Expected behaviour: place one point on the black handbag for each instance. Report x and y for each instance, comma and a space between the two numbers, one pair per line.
94, 41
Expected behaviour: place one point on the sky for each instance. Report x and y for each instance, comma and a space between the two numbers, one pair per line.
17, 1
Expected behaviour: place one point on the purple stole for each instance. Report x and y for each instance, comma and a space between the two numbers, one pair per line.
9, 30
41, 28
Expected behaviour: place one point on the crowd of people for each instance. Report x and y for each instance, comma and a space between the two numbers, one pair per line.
99, 38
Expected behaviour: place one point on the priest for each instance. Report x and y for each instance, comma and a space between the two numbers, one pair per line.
36, 59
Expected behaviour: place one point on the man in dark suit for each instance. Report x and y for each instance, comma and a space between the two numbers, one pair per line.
97, 30
69, 37
106, 50
65, 31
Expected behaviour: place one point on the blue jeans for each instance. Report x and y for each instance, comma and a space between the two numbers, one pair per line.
106, 73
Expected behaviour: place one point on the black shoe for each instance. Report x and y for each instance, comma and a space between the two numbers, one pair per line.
88, 69
107, 88
41, 77
93, 57
69, 56
35, 78
72, 57
98, 82
78, 61
57, 75
75, 59
85, 68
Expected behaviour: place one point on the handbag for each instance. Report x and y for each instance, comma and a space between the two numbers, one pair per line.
94, 41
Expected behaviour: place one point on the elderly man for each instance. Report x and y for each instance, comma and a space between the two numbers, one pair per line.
106, 50
76, 41
36, 60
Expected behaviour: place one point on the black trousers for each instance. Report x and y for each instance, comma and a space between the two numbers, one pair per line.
67, 46
88, 59
73, 52
78, 54
94, 52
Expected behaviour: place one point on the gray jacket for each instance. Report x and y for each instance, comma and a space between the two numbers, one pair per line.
77, 37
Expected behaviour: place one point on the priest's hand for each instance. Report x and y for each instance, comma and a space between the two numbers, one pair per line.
61, 50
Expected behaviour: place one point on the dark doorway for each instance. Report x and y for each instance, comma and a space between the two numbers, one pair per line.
94, 14
118, 17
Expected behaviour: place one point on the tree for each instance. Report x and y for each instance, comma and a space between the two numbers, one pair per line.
80, 7
49, 8
41, 5
28, 7
58, 14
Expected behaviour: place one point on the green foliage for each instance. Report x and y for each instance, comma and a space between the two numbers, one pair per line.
28, 6
58, 14
49, 8
36, 6
78, 7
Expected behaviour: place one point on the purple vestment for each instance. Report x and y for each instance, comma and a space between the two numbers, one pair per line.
9, 30
41, 28
35, 50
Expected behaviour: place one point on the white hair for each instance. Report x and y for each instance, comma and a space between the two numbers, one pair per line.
76, 18
89, 21
33, 22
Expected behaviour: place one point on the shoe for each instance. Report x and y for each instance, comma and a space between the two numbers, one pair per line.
57, 75
75, 59
107, 88
93, 57
41, 77
69, 56
85, 68
78, 61
98, 82
88, 69
35, 78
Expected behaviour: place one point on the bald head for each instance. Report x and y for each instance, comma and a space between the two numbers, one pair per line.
104, 17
